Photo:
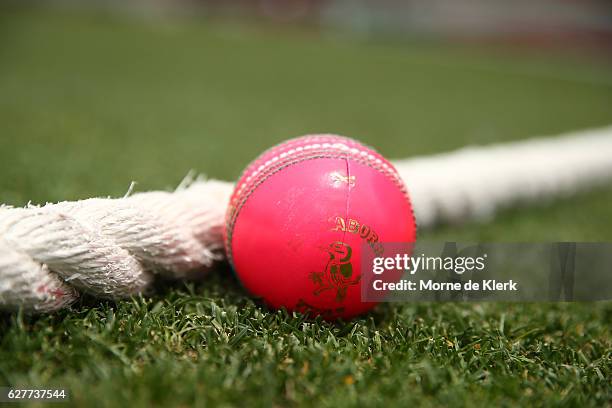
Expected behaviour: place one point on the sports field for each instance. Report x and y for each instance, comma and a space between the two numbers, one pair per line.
91, 102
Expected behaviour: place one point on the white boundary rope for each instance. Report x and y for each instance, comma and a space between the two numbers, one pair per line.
476, 182
111, 247
108, 247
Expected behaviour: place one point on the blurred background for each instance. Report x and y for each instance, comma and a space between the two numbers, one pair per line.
581, 24
95, 94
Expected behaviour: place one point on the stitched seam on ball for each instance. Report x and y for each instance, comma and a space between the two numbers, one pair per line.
295, 143
271, 166
278, 160
241, 198
320, 153
348, 197
306, 143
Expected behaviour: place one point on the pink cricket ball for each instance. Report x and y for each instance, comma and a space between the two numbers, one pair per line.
299, 216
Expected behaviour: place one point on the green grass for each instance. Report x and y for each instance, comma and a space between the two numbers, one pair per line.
89, 103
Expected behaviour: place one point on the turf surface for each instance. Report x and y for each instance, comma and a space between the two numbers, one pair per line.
89, 103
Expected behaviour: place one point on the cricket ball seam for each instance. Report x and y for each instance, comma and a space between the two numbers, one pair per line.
302, 144
297, 155
318, 148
